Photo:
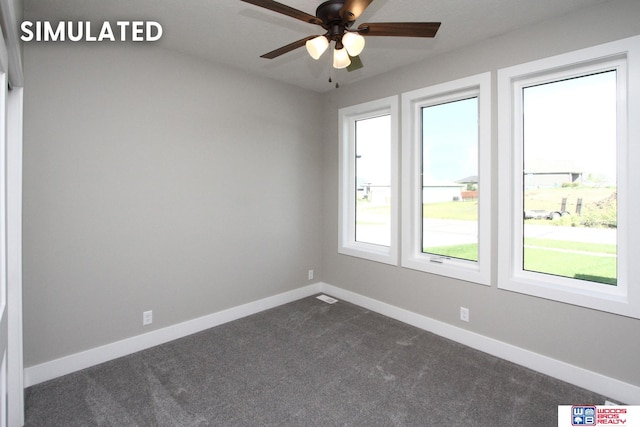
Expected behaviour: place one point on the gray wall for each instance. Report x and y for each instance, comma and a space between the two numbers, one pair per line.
154, 181
561, 331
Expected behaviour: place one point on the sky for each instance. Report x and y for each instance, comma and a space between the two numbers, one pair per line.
450, 141
571, 122
450, 144
373, 146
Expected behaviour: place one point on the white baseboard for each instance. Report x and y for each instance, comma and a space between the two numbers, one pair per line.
598, 383
75, 362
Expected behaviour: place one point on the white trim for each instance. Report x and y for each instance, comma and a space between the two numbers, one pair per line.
3, 391
413, 257
15, 375
598, 383
75, 362
606, 386
624, 299
347, 244
14, 110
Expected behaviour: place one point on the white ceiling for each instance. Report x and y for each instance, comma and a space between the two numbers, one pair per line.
237, 33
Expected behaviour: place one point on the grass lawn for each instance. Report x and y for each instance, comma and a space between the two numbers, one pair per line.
547, 256
544, 259
575, 246
369, 214
598, 207
579, 266
468, 252
467, 211
551, 198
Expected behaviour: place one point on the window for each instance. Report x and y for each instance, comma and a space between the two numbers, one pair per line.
565, 149
446, 179
569, 177
368, 180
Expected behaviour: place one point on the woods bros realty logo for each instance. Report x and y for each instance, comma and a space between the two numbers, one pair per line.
593, 415
122, 31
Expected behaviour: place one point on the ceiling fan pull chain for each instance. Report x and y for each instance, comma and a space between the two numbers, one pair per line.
331, 69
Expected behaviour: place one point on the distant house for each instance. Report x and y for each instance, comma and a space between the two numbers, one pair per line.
442, 191
551, 173
470, 181
471, 190
377, 194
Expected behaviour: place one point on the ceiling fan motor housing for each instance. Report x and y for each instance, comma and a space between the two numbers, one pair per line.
329, 13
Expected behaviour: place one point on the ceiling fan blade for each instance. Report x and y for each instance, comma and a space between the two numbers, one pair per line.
400, 29
287, 48
285, 10
352, 9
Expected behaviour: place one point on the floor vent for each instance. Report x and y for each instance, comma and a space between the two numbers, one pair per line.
327, 299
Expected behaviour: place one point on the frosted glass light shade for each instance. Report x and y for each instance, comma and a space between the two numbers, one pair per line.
317, 46
341, 58
354, 43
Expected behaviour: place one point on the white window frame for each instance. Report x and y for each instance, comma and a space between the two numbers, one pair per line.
623, 299
347, 192
412, 103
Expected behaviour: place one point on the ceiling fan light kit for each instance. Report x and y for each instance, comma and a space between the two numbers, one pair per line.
353, 42
341, 58
317, 46
337, 17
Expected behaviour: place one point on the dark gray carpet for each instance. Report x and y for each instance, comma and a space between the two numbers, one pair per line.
306, 363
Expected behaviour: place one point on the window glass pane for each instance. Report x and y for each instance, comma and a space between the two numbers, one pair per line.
373, 180
569, 176
450, 179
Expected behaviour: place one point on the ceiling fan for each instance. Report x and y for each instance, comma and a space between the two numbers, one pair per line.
337, 18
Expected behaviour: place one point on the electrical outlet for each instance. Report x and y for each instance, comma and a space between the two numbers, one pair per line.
310, 274
464, 314
147, 318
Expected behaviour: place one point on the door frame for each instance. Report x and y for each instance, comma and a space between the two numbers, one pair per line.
11, 16
15, 371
